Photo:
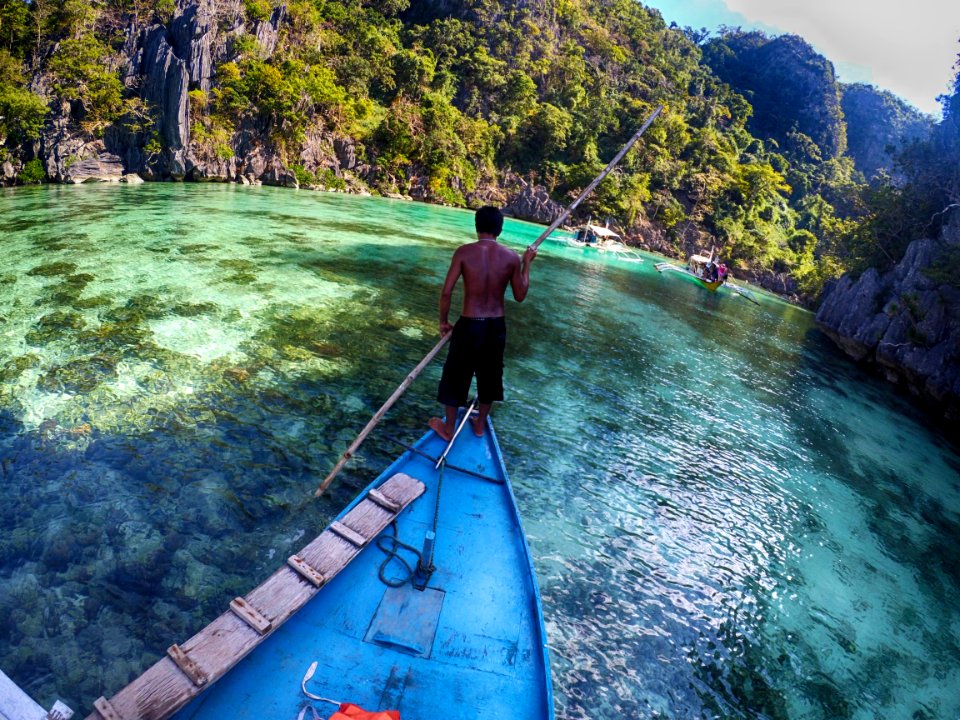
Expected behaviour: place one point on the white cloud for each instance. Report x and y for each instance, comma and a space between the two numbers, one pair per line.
908, 48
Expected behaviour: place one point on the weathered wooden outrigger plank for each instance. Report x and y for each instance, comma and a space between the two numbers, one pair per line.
165, 688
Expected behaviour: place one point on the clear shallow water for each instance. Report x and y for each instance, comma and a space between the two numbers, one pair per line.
727, 520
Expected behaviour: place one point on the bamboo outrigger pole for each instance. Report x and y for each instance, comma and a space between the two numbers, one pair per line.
348, 453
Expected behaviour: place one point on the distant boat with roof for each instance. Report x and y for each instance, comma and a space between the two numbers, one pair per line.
706, 271
605, 240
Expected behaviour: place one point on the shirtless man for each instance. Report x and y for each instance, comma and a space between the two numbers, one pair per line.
480, 334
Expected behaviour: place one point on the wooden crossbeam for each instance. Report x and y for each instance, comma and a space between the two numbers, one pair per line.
103, 706
348, 534
383, 501
206, 657
246, 612
304, 570
197, 676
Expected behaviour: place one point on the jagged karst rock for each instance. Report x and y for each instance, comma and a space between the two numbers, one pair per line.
211, 170
346, 152
267, 31
166, 80
277, 174
193, 34
102, 167
534, 203
317, 155
59, 146
8, 172
132, 179
906, 322
779, 282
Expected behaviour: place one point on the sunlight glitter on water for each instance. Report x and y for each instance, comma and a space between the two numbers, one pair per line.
727, 519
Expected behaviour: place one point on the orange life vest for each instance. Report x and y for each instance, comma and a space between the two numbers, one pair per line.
349, 711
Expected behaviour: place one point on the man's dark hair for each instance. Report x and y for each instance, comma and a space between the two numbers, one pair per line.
489, 221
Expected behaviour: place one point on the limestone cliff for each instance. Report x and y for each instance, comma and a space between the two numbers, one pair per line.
792, 88
879, 124
166, 64
906, 322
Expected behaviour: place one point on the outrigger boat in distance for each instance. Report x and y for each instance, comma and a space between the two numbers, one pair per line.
358, 616
696, 269
710, 285
604, 240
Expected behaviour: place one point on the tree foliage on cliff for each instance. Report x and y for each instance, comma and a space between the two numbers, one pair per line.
444, 97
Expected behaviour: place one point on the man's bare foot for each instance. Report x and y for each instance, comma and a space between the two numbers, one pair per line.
477, 424
440, 428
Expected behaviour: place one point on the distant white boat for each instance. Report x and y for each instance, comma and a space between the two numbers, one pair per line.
604, 240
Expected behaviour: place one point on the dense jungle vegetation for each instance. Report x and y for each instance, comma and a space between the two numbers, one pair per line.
752, 153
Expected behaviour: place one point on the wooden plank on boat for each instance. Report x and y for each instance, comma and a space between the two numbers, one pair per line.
189, 667
348, 534
103, 706
246, 612
165, 688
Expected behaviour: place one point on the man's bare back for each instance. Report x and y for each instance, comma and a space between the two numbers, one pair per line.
487, 267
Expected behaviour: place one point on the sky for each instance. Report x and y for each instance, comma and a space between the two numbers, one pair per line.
908, 47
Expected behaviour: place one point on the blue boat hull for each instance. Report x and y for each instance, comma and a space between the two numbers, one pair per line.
471, 645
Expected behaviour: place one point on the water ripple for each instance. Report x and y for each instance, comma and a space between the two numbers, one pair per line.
726, 520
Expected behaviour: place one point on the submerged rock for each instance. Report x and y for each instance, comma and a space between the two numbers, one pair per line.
79, 376
12, 369
53, 269
53, 326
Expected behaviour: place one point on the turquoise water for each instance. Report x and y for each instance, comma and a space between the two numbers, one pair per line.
727, 518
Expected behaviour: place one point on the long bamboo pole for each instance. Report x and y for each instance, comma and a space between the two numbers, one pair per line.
348, 453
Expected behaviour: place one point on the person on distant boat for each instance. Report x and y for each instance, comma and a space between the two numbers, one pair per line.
722, 272
479, 337
710, 272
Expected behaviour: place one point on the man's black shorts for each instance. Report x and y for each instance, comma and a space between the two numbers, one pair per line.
476, 348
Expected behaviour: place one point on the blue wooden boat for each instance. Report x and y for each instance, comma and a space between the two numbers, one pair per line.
470, 644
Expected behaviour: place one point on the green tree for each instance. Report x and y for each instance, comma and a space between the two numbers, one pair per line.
14, 26
22, 112
78, 67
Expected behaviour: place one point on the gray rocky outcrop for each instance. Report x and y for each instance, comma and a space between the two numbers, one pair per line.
533, 202
214, 170
166, 80
277, 174
267, 31
318, 153
346, 152
193, 34
102, 167
906, 322
69, 155
781, 283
